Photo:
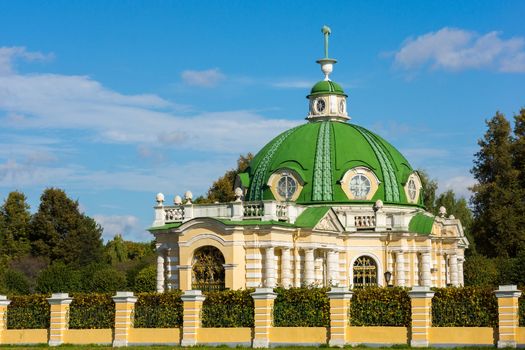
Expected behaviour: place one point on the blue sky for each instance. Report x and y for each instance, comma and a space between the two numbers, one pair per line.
115, 101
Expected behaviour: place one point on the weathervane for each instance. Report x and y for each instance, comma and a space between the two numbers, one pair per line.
327, 64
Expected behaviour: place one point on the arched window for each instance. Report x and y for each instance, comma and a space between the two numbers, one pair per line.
208, 269
365, 272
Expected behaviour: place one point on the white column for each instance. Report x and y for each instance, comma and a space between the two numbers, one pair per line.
426, 276
319, 273
286, 268
297, 269
453, 263
400, 269
309, 264
333, 267
269, 267
160, 271
461, 280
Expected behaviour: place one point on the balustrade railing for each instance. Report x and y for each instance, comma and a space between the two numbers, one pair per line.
253, 210
172, 214
364, 221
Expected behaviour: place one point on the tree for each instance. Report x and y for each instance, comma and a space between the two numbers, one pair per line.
58, 278
14, 227
518, 150
60, 232
429, 190
222, 189
498, 205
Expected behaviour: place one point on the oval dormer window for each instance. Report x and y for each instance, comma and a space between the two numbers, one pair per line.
413, 188
285, 184
359, 183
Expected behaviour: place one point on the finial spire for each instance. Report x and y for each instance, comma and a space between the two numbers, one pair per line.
326, 31
326, 63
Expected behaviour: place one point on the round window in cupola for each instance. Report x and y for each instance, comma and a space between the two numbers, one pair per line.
286, 185
359, 183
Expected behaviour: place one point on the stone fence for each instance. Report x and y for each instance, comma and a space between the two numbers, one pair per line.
264, 334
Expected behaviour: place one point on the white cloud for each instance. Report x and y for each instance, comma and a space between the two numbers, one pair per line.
203, 78
126, 225
9, 54
52, 101
459, 184
458, 49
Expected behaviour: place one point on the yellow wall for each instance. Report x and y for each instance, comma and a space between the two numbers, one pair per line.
462, 335
88, 336
377, 335
24, 336
298, 335
225, 335
521, 336
154, 335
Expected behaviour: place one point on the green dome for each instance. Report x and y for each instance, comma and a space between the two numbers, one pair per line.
321, 153
326, 87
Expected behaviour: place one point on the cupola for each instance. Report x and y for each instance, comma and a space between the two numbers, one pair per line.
327, 98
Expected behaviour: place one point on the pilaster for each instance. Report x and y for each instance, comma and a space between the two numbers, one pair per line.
4, 303
59, 323
340, 299
192, 303
421, 304
124, 317
400, 269
508, 316
425, 269
263, 299
453, 263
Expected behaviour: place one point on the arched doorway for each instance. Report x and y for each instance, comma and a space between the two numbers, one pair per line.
208, 269
365, 272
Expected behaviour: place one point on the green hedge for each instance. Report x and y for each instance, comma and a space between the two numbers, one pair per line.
28, 312
229, 308
91, 311
376, 306
154, 310
464, 307
301, 307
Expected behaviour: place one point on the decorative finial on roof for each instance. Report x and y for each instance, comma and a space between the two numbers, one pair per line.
327, 64
326, 31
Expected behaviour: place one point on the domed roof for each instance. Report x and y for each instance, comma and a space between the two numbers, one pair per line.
326, 87
320, 154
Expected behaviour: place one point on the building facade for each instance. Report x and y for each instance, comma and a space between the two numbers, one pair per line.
327, 203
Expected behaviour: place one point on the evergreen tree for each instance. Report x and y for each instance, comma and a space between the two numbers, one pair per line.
60, 232
518, 151
498, 225
14, 227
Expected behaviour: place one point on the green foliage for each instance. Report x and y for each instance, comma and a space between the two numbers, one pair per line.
58, 278
14, 282
146, 280
28, 312
376, 306
480, 271
228, 308
429, 190
91, 311
222, 189
14, 227
154, 310
107, 280
301, 307
465, 307
60, 232
498, 206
